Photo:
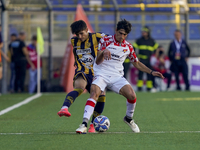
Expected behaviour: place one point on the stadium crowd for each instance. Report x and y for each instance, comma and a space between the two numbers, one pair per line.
153, 55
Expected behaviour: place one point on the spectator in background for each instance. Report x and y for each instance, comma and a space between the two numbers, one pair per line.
13, 37
9, 58
160, 62
32, 50
1, 45
178, 54
1, 66
146, 46
20, 58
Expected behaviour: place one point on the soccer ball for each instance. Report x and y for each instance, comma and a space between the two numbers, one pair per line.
101, 123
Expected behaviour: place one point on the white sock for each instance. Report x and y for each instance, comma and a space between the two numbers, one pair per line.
64, 107
89, 108
130, 107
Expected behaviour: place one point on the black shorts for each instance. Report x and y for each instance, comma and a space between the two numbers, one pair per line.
87, 77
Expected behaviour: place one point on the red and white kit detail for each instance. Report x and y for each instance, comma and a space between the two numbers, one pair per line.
119, 52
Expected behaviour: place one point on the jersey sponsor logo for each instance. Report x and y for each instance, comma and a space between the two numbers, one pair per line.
111, 48
125, 50
87, 60
83, 51
114, 55
76, 46
115, 59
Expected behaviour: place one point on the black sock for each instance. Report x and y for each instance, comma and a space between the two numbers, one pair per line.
85, 123
128, 119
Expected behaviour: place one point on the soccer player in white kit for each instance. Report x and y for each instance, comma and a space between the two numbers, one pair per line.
108, 73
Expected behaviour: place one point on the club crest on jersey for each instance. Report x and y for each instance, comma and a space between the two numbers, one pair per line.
95, 77
125, 50
88, 44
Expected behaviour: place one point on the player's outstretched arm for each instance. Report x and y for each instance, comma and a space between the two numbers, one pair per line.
140, 66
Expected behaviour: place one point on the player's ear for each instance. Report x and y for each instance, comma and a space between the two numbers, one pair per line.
86, 29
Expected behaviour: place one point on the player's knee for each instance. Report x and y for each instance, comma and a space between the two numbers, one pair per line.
132, 96
94, 95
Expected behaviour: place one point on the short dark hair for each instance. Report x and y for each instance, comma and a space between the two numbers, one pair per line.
34, 38
21, 33
13, 34
178, 30
124, 24
78, 26
160, 46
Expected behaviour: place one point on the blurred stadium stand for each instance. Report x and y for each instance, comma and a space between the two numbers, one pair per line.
162, 20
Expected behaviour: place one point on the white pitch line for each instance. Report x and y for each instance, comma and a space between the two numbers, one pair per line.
145, 132
20, 103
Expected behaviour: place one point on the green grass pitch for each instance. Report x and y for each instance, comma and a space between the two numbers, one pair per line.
167, 120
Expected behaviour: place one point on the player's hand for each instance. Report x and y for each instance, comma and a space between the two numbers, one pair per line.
158, 74
107, 54
33, 67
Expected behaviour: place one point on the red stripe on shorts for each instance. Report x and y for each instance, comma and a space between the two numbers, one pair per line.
132, 101
90, 103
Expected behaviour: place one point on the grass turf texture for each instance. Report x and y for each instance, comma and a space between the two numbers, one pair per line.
43, 129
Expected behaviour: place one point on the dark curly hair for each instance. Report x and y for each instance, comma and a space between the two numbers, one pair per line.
124, 24
78, 26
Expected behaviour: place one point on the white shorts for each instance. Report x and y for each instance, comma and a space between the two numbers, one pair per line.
114, 83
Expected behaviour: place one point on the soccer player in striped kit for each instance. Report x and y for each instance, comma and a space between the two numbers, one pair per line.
85, 46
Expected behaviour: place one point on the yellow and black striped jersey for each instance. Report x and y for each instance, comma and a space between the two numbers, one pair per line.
85, 52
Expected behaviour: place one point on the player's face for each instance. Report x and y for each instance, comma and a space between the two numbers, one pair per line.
177, 35
22, 37
120, 35
82, 35
144, 34
13, 38
34, 42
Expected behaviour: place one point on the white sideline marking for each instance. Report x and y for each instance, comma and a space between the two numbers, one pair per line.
20, 103
145, 132
180, 99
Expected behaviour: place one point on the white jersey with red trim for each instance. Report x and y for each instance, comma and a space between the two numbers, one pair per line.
119, 52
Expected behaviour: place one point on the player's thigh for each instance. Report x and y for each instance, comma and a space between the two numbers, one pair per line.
128, 92
95, 91
100, 81
80, 83
103, 92
117, 83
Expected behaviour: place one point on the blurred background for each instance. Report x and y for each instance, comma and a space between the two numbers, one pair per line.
55, 16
